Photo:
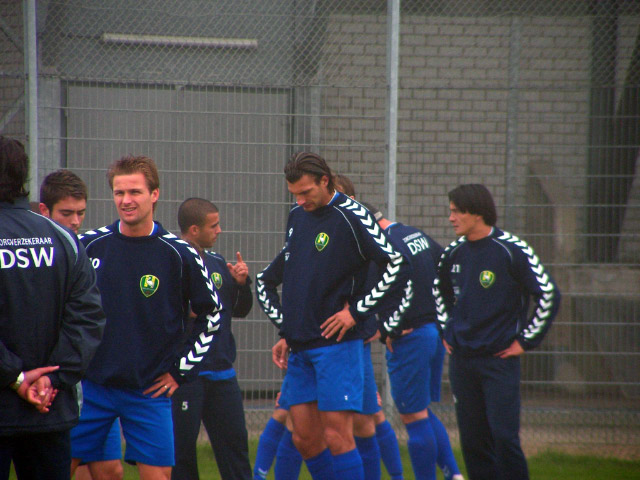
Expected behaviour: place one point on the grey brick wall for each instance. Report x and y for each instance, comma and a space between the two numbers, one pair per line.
453, 100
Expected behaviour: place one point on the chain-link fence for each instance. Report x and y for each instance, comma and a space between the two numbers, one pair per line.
538, 100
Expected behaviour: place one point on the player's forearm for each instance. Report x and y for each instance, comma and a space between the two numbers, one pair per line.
243, 301
268, 299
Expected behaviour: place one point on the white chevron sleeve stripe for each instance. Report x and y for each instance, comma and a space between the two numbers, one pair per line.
545, 303
389, 277
271, 311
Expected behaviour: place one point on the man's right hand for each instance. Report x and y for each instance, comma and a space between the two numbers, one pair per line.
36, 388
280, 354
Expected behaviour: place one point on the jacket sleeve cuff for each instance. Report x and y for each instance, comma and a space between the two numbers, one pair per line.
55, 380
354, 313
175, 373
524, 344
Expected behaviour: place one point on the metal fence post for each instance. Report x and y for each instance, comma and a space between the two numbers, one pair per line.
393, 54
515, 34
31, 70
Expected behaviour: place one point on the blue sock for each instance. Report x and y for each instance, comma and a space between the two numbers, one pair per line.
321, 466
389, 450
288, 459
267, 446
370, 454
446, 460
422, 449
348, 465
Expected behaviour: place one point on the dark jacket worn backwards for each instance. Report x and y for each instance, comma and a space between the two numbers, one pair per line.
50, 314
483, 292
424, 253
322, 265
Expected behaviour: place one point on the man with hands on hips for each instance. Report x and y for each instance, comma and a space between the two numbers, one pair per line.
330, 239
148, 280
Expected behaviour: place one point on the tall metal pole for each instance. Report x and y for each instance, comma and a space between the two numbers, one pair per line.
31, 71
393, 54
511, 180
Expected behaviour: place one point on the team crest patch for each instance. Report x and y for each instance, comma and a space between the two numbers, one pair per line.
322, 240
217, 279
149, 285
487, 278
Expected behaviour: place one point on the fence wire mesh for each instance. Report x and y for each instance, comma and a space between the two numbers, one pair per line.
540, 101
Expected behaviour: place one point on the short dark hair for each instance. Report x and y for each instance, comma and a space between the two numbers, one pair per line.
344, 185
130, 164
307, 163
476, 199
61, 184
14, 169
194, 211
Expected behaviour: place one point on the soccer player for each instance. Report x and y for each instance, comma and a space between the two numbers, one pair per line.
52, 323
148, 280
276, 439
63, 198
486, 280
330, 239
415, 356
215, 396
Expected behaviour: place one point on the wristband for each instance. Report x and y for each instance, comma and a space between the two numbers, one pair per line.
16, 385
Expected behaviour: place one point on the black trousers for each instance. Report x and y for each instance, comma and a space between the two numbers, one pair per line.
219, 405
36, 456
487, 400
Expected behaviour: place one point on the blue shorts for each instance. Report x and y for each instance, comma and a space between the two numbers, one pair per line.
370, 394
415, 369
332, 376
283, 403
112, 448
146, 424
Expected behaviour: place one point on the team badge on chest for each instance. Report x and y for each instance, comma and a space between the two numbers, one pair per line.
322, 240
487, 278
217, 279
149, 285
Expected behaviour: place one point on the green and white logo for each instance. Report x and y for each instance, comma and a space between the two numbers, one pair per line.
487, 278
149, 285
322, 240
217, 279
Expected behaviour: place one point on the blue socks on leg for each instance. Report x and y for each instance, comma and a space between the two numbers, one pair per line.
370, 455
267, 447
288, 459
389, 450
321, 466
422, 449
348, 466
446, 460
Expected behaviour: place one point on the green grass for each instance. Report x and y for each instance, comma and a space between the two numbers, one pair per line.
546, 465
549, 465
552, 465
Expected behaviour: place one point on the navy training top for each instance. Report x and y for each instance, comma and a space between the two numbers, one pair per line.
147, 284
483, 293
322, 265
